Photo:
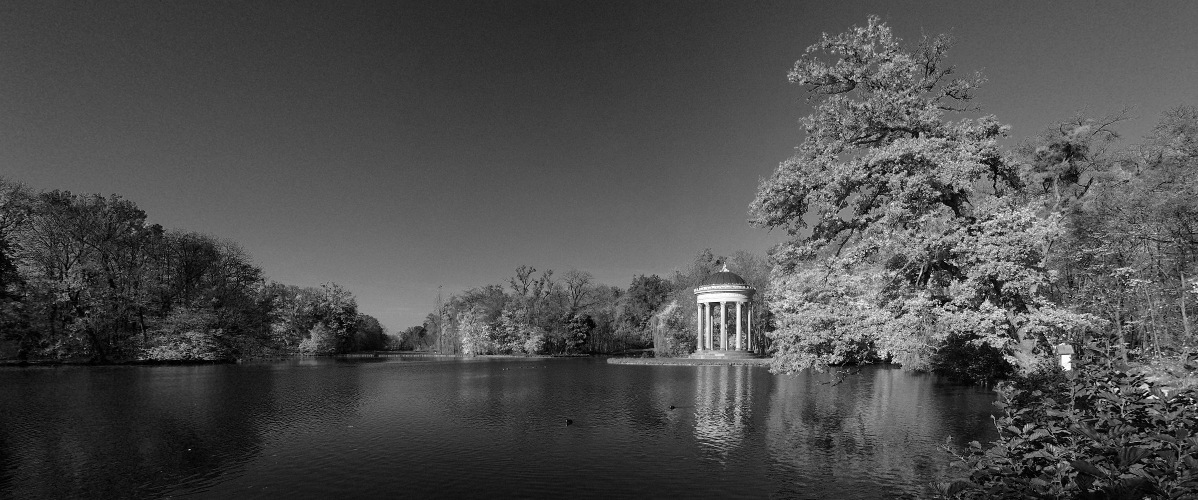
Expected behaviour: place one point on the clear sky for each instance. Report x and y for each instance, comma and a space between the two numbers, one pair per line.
393, 147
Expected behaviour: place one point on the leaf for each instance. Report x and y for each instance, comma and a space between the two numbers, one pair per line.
1086, 468
1170, 457
1087, 431
1084, 481
1190, 462
1131, 455
959, 486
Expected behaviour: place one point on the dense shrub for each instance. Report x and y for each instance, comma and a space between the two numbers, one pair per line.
1106, 433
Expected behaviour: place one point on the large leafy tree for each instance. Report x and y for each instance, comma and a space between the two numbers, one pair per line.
908, 225
84, 260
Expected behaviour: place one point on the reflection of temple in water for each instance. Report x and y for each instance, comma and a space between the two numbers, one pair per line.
723, 406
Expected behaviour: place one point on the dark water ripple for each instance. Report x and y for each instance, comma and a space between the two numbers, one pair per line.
475, 428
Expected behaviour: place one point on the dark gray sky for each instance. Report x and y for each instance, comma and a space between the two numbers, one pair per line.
393, 147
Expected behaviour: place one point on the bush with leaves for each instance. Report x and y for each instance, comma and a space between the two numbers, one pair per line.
1106, 433
186, 334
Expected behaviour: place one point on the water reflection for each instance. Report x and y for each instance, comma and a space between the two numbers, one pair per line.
867, 430
104, 432
723, 405
475, 428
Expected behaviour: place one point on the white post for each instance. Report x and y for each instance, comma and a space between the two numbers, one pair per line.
738, 325
699, 327
1065, 351
723, 325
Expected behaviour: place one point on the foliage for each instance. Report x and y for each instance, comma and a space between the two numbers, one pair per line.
84, 277
413, 338
674, 333
511, 333
645, 295
823, 318
1106, 433
907, 229
475, 333
369, 335
186, 335
1129, 255
534, 343
963, 360
320, 341
578, 329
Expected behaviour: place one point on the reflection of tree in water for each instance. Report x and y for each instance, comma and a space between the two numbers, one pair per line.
105, 432
829, 433
723, 406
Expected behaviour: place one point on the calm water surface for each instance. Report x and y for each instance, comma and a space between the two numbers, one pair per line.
491, 428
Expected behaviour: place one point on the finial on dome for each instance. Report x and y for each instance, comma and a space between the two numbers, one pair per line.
725, 269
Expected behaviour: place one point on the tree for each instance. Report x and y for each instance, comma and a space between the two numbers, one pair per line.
1129, 252
578, 287
530, 291
414, 337
84, 259
15, 201
915, 213
644, 296
578, 330
369, 334
510, 333
186, 334
475, 333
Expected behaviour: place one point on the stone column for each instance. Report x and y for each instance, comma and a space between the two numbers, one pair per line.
699, 327
723, 325
738, 325
749, 320
708, 328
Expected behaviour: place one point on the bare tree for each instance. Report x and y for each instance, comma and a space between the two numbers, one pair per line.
578, 287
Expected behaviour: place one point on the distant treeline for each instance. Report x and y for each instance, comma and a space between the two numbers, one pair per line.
84, 277
570, 313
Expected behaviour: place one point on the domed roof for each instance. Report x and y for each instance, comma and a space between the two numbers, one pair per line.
724, 277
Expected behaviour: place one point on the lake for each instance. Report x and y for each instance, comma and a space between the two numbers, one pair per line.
495, 428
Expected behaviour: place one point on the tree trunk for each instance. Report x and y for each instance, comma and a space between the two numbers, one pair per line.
1119, 349
1185, 318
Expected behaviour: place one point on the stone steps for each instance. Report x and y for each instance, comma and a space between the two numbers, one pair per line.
722, 354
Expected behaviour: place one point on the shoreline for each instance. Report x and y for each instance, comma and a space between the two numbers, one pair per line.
690, 361
281, 357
